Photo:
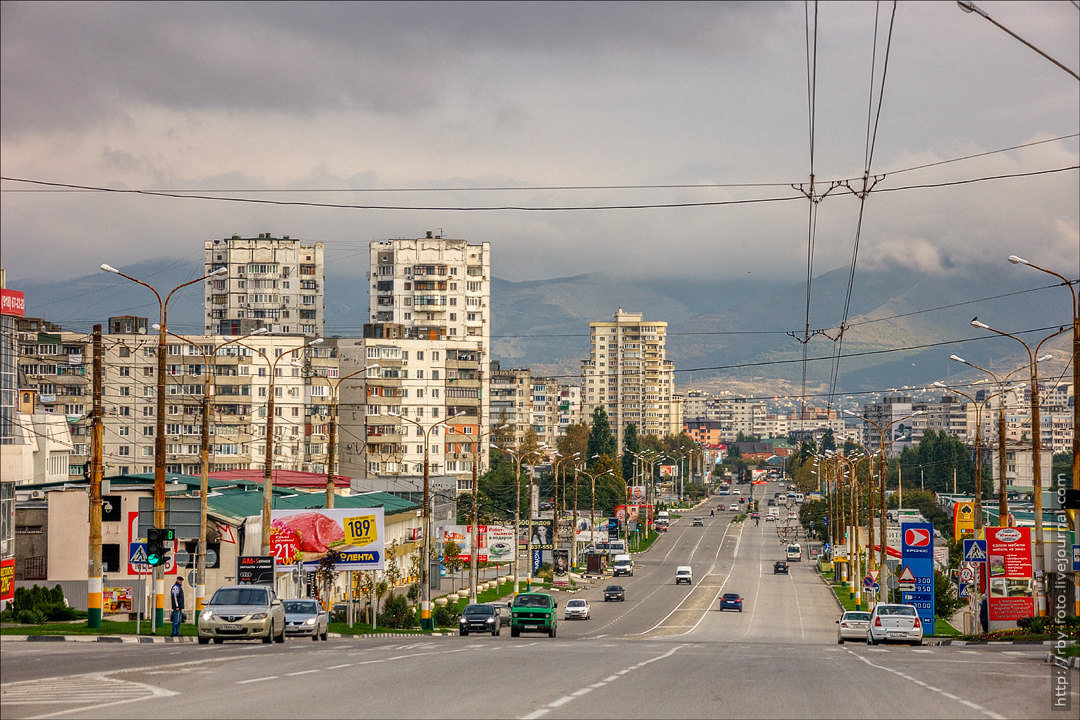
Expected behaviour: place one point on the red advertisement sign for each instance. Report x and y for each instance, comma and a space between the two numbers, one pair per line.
7, 579
12, 302
1008, 553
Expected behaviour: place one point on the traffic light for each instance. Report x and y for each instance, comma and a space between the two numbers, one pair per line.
156, 548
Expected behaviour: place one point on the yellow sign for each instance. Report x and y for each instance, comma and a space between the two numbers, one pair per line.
360, 530
964, 519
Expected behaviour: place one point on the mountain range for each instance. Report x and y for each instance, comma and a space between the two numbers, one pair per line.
744, 336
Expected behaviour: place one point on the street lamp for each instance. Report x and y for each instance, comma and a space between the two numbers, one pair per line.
969, 7
592, 499
426, 622
334, 385
159, 430
1071, 514
559, 459
1036, 455
204, 456
476, 511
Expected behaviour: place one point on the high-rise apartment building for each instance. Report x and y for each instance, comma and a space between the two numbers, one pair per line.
510, 404
276, 283
627, 374
433, 287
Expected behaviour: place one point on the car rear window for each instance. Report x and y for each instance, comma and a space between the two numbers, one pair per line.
239, 596
857, 616
730, 596
896, 610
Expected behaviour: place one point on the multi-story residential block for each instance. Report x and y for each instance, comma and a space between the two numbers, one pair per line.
276, 283
571, 400
947, 415
510, 404
414, 401
628, 374
892, 415
433, 287
545, 410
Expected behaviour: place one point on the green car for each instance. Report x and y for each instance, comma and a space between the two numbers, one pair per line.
533, 612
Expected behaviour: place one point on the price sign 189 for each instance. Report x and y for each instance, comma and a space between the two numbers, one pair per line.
361, 530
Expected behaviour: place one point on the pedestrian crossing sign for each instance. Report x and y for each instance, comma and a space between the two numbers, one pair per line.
974, 551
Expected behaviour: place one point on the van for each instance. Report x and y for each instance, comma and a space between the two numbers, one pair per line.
684, 574
611, 547
663, 515
794, 552
623, 565
799, 497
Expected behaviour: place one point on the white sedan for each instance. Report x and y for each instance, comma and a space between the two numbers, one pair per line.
894, 623
576, 608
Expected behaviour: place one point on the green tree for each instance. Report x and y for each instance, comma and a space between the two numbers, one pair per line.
828, 442
451, 561
631, 444
601, 440
946, 602
1061, 465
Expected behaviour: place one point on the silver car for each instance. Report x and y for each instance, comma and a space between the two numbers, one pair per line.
852, 626
306, 617
894, 623
242, 612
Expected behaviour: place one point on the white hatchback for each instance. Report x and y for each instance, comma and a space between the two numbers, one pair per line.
894, 623
576, 608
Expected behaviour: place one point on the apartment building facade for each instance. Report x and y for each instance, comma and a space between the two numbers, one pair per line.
273, 283
510, 403
628, 374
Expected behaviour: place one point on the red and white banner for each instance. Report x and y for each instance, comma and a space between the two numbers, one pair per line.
1008, 554
12, 302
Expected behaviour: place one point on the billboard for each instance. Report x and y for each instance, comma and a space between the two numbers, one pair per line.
560, 565
543, 534
354, 536
1008, 554
669, 471
12, 302
636, 494
495, 542
963, 520
917, 561
7, 579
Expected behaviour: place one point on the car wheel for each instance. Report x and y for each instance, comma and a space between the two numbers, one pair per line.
515, 632
839, 641
204, 640
218, 641
463, 633
551, 633
281, 638
495, 632
870, 639
269, 635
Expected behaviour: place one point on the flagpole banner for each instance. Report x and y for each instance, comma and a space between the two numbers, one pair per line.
353, 536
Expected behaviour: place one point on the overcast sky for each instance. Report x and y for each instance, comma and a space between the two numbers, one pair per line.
351, 104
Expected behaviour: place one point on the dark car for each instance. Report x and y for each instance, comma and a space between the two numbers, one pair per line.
780, 567
479, 618
614, 592
731, 601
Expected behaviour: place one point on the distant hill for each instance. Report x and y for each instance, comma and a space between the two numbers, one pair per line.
902, 324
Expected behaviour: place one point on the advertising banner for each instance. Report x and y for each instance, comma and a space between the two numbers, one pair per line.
560, 565
7, 579
354, 536
116, 600
543, 534
496, 542
917, 561
255, 570
1008, 552
963, 520
636, 494
668, 471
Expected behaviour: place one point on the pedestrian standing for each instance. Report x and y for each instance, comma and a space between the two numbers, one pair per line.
177, 605
984, 615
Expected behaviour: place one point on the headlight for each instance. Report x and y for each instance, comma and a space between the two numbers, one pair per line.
258, 616
206, 613
311, 621
490, 620
463, 620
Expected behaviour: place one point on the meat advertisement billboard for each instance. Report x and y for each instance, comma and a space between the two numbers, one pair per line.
1008, 555
355, 536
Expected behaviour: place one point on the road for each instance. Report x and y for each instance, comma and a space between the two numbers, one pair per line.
664, 652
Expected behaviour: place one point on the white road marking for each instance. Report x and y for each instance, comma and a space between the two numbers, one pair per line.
597, 685
536, 714
611, 678
925, 652
582, 691
561, 701
302, 672
255, 680
338, 667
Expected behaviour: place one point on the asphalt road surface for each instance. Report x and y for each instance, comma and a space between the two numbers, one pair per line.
666, 652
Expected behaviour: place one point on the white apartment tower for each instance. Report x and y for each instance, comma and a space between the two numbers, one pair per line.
434, 287
276, 283
627, 375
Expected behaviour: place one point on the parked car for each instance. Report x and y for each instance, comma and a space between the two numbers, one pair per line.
533, 612
780, 567
479, 618
614, 592
242, 612
731, 601
576, 608
698, 522
894, 623
684, 574
852, 626
306, 617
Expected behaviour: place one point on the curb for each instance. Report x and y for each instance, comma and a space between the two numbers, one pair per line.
1072, 663
129, 639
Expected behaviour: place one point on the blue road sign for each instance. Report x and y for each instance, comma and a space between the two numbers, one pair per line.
137, 553
1076, 558
917, 555
974, 551
964, 590
537, 560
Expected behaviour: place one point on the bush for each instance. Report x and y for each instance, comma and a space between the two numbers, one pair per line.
397, 613
443, 616
38, 605
413, 593
1034, 625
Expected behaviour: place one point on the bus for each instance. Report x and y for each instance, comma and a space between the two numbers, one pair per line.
611, 547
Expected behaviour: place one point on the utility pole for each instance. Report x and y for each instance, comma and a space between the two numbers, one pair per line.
94, 577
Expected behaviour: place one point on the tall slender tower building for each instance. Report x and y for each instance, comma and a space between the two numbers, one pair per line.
276, 283
627, 375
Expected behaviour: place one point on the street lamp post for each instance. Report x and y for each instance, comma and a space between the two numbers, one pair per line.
592, 499
517, 456
159, 430
1036, 457
559, 459
426, 622
268, 456
1071, 514
476, 511
204, 456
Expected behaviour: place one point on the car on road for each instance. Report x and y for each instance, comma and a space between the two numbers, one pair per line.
576, 608
734, 507
852, 626
242, 612
698, 522
771, 501
503, 609
480, 617
731, 601
304, 616
533, 612
780, 567
614, 592
894, 623
770, 518
660, 526
684, 574
794, 552
622, 564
